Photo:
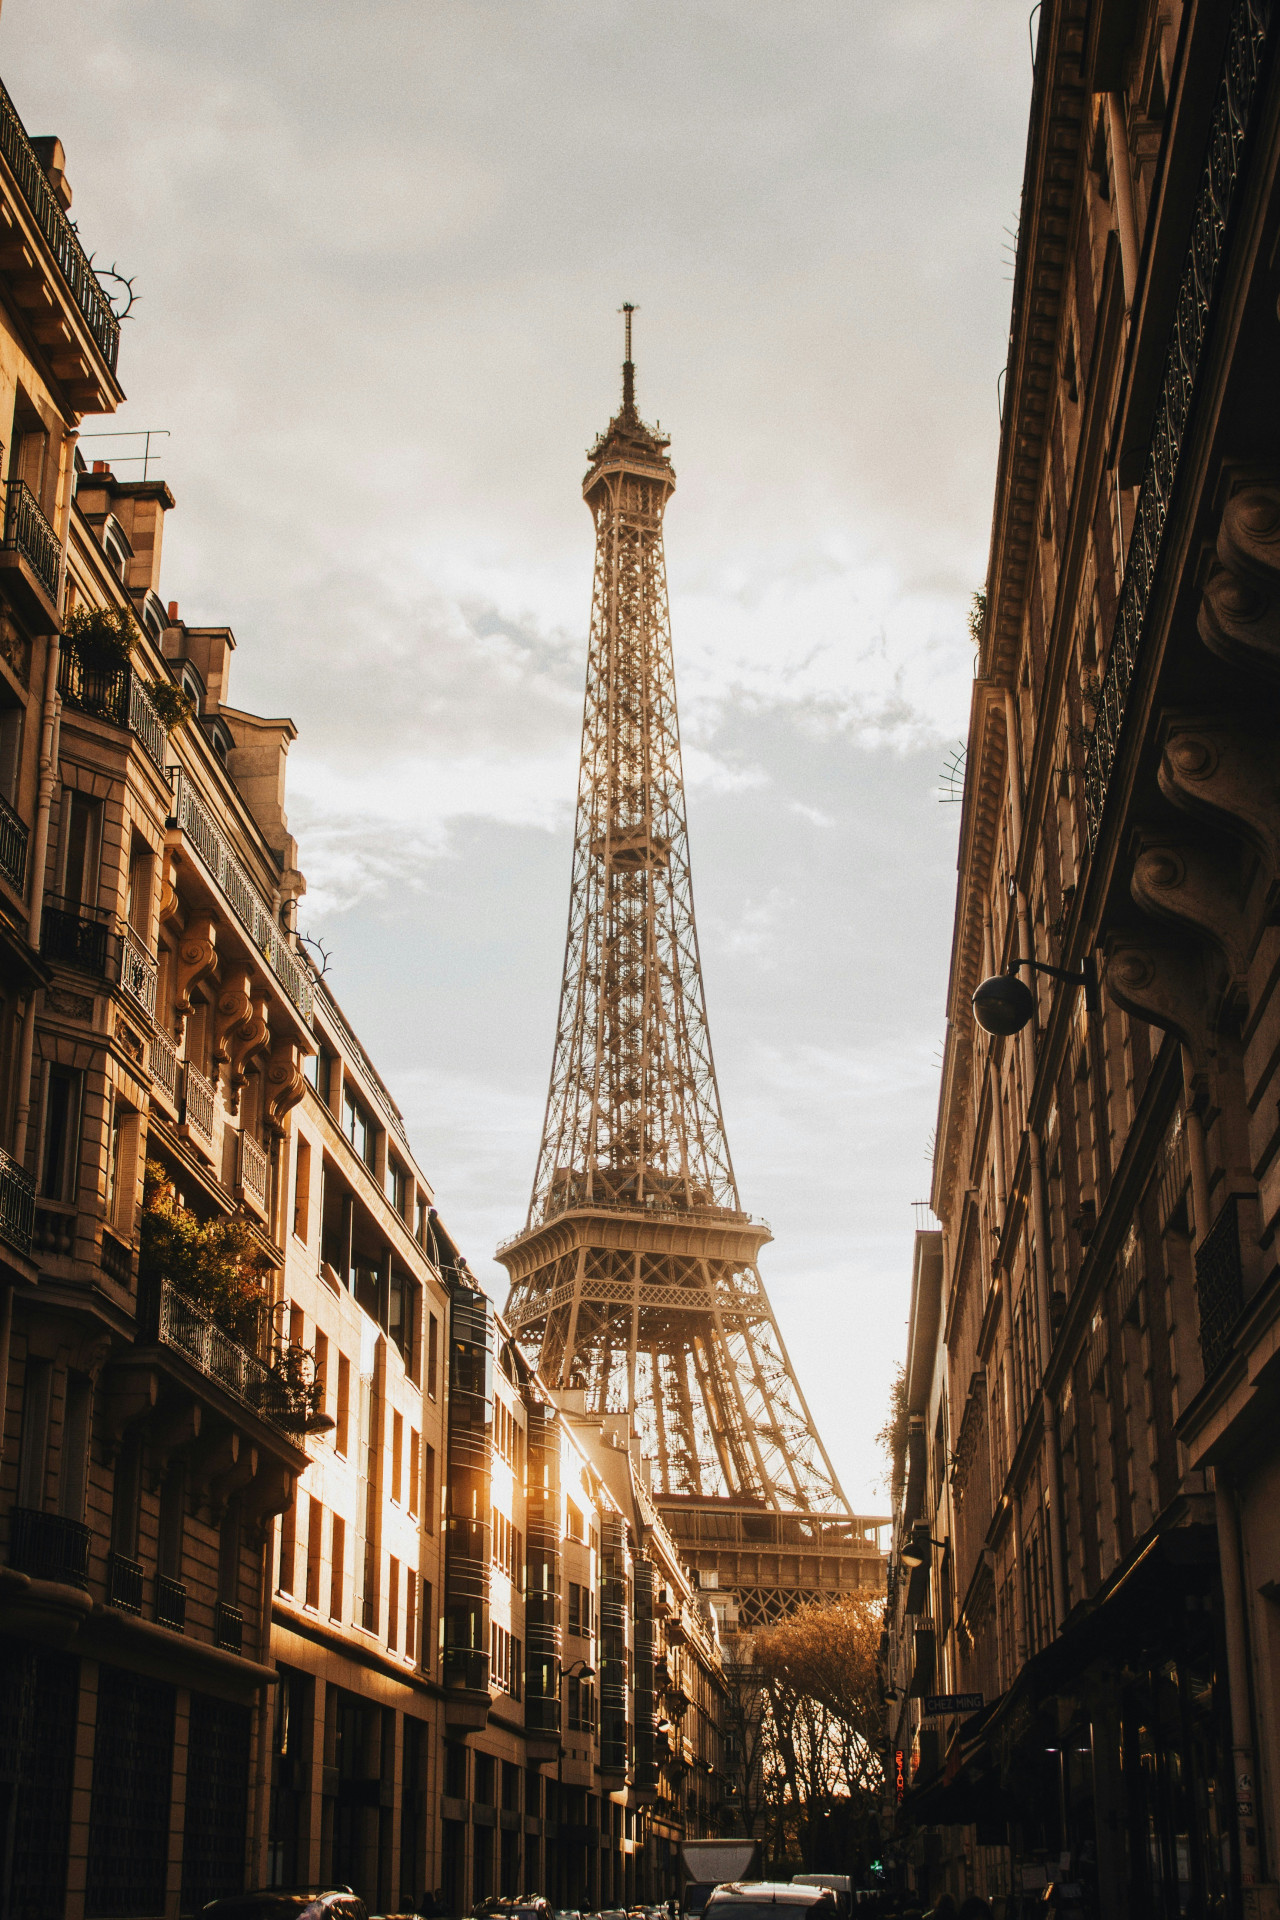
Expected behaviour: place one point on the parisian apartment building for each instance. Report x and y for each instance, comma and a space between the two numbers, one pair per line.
1083, 1649
308, 1577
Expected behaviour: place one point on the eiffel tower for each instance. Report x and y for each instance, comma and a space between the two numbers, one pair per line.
635, 1279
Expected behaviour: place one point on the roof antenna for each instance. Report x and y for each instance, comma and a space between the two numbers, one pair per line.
628, 369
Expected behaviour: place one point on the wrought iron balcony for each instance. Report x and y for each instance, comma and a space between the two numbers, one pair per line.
28, 533
171, 1603
73, 262
198, 1107
173, 1321
48, 1546
17, 1203
166, 1068
236, 888
1219, 1285
254, 1174
13, 847
77, 936
228, 1627
138, 973
124, 1583
117, 695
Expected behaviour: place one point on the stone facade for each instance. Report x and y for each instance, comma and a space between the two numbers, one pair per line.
1086, 1533
307, 1576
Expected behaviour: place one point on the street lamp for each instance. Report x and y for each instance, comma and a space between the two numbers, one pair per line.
1004, 1004
578, 1671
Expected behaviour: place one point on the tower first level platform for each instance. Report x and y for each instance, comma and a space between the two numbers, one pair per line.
659, 1313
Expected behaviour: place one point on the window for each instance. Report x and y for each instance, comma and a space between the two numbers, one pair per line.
505, 1661
173, 1518
426, 1625
343, 1415
582, 1706
315, 1547
122, 1169
429, 1493
321, 1351
319, 1071
37, 1386
336, 1570
415, 1469
397, 1453
141, 871
393, 1604
127, 1497
60, 1151
288, 1545
433, 1353
74, 1466
397, 1185
81, 836
410, 1616
574, 1525
506, 1546
358, 1127
11, 718
302, 1190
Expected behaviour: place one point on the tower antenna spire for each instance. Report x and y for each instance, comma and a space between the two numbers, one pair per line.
628, 367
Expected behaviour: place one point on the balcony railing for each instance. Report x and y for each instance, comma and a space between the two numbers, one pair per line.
1219, 1285
17, 1204
197, 1106
28, 533
248, 905
228, 1627
117, 695
13, 847
138, 974
77, 937
124, 1583
255, 1172
171, 1603
73, 262
174, 1321
47, 1546
162, 1057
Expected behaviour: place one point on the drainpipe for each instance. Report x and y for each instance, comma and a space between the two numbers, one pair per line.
1122, 179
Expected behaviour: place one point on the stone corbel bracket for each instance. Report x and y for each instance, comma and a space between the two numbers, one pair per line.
251, 1038
1162, 979
286, 1084
1195, 881
1220, 772
197, 961
1239, 618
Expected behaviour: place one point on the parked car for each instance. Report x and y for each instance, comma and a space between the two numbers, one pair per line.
289, 1903
769, 1900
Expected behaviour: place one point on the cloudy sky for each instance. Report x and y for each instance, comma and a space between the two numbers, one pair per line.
379, 248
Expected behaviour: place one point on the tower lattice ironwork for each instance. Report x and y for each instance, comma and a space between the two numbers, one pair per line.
635, 1279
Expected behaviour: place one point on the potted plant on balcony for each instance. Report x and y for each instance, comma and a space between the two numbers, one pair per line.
216, 1264
98, 644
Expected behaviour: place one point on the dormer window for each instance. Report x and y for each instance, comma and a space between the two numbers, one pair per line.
115, 545
153, 617
219, 739
192, 688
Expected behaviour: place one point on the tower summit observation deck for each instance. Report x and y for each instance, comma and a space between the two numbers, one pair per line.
635, 1279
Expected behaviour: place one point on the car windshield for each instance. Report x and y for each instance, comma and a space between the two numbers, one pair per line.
822, 1908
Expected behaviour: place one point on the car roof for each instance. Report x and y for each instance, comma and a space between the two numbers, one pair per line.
777, 1892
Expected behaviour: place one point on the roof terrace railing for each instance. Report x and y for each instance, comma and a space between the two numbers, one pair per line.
73, 262
248, 905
